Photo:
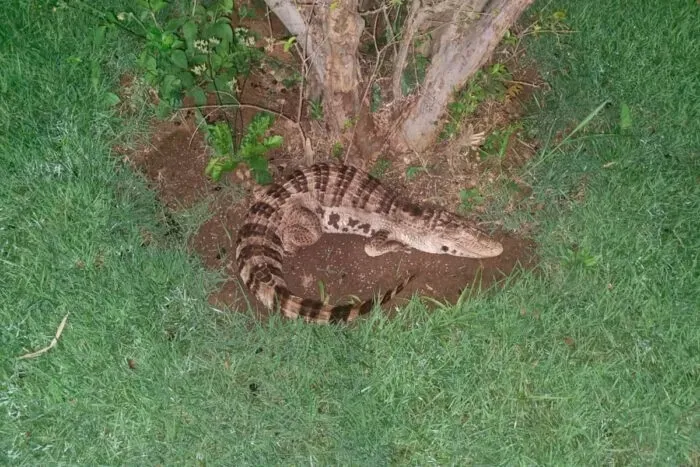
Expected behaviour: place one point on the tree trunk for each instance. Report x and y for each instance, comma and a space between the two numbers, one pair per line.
461, 52
465, 34
343, 27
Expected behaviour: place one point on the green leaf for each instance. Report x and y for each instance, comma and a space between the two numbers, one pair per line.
149, 62
95, 74
220, 138
199, 96
189, 32
187, 79
179, 58
157, 5
226, 6
222, 31
289, 43
170, 82
274, 141
223, 48
167, 40
198, 59
259, 166
216, 62
99, 35
222, 84
245, 12
625, 117
111, 99
211, 169
174, 24
218, 165
199, 11
163, 109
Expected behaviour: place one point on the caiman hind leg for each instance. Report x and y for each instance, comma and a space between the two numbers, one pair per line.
299, 228
380, 243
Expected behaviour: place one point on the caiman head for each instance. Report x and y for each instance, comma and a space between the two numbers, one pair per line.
453, 235
469, 243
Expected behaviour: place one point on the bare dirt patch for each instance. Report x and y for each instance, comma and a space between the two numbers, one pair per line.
337, 267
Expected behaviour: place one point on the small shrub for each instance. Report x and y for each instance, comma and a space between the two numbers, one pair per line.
190, 53
489, 84
251, 150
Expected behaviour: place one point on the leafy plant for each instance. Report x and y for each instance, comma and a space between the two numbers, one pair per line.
509, 38
380, 167
251, 150
316, 109
489, 84
497, 142
349, 123
289, 43
190, 53
579, 257
413, 171
553, 22
244, 11
337, 150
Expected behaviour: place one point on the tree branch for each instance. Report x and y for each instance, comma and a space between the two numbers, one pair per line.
412, 24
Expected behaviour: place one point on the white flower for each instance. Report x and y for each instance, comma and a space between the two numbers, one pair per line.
202, 46
199, 69
214, 41
233, 85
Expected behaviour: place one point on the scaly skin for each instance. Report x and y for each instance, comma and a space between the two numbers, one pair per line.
327, 198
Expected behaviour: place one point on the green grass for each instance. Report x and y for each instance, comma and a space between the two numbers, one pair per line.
556, 368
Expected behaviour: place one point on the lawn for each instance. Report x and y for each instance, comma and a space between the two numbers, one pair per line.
593, 358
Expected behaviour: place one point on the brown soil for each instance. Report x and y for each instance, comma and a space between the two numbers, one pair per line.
337, 267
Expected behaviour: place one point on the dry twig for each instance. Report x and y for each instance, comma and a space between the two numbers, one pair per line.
53, 343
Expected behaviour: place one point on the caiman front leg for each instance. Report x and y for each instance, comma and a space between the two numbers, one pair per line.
379, 244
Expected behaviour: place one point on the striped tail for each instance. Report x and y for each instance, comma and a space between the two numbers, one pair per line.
315, 311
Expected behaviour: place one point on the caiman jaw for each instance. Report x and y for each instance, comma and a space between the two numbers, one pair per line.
482, 247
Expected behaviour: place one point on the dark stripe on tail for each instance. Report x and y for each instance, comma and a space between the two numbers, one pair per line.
261, 274
253, 229
262, 209
345, 176
249, 251
299, 182
366, 189
321, 175
341, 313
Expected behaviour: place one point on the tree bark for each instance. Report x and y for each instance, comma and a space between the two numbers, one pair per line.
461, 52
342, 27
289, 14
